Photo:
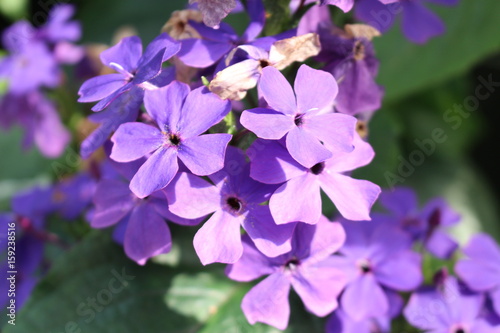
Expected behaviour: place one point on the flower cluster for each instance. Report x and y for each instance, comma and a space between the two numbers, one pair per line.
186, 139
34, 63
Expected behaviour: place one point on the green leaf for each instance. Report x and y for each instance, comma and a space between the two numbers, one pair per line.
470, 36
277, 16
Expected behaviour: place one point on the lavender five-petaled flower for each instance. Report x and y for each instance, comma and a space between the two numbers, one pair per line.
312, 135
419, 23
214, 10
272, 164
235, 200
427, 225
481, 269
375, 255
181, 117
448, 307
134, 68
306, 268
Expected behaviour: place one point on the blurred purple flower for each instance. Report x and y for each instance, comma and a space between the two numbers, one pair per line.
419, 23
428, 224
448, 307
306, 268
481, 269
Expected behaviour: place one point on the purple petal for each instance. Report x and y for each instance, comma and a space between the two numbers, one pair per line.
468, 270
400, 272
271, 163
335, 130
163, 44
267, 302
202, 53
328, 238
106, 101
352, 197
134, 140
155, 173
99, 87
345, 5
126, 54
315, 89
219, 239
483, 247
364, 298
113, 201
271, 239
305, 148
441, 244
277, 91
257, 15
286, 207
192, 197
347, 161
252, 264
266, 123
376, 14
419, 23
165, 104
445, 2
149, 70
204, 155
319, 286
401, 201
495, 299
201, 110
147, 235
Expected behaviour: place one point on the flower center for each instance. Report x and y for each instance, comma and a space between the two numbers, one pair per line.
292, 263
264, 63
298, 119
460, 330
318, 168
359, 50
174, 139
365, 266
435, 218
234, 204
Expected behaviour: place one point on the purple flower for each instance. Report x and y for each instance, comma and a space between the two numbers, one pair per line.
449, 307
481, 270
375, 255
235, 200
311, 133
340, 322
272, 164
134, 70
214, 10
182, 116
427, 225
306, 268
59, 28
30, 64
419, 23
40, 120
73, 195
146, 233
215, 44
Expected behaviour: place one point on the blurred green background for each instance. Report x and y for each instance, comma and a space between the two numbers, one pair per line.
422, 83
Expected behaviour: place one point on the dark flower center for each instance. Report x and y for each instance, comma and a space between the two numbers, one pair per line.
298, 119
174, 139
292, 263
365, 266
318, 168
359, 50
460, 330
264, 63
234, 204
